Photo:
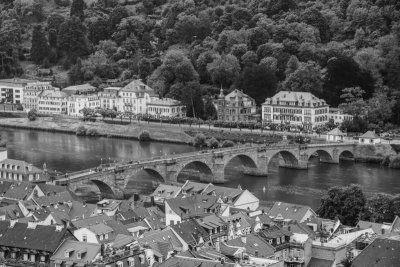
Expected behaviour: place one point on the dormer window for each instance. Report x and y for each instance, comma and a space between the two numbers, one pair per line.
79, 256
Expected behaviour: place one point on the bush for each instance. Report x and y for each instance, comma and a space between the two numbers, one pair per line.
80, 131
199, 140
144, 136
227, 143
212, 143
395, 162
32, 114
92, 132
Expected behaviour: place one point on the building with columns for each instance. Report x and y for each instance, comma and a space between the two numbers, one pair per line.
296, 109
235, 106
166, 107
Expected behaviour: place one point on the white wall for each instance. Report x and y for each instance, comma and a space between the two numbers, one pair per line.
170, 215
91, 237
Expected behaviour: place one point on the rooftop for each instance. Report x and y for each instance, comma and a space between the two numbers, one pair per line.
165, 102
289, 211
295, 97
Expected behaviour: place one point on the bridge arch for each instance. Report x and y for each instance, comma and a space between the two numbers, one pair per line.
324, 155
203, 170
238, 163
290, 160
346, 153
106, 190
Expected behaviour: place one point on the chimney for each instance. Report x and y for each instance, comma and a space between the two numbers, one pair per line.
244, 239
383, 231
289, 228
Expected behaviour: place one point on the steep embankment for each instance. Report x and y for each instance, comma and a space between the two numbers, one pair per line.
131, 131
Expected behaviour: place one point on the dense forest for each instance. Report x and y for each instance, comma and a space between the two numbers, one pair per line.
344, 51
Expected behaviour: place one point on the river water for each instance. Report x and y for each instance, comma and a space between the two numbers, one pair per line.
66, 153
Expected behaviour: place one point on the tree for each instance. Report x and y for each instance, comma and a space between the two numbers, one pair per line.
379, 209
32, 115
39, 49
259, 82
224, 70
306, 78
72, 39
116, 16
292, 65
345, 203
98, 29
145, 68
210, 113
354, 103
77, 8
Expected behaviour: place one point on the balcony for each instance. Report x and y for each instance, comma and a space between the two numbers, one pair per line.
291, 259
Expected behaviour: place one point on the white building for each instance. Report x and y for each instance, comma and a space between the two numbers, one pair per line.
338, 116
369, 138
166, 107
335, 135
53, 101
295, 108
11, 90
78, 102
134, 97
109, 98
31, 92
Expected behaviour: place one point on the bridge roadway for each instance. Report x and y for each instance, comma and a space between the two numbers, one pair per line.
112, 179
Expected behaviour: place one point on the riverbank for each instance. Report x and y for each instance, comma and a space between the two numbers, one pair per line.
69, 125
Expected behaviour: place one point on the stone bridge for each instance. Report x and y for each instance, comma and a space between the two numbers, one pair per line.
210, 163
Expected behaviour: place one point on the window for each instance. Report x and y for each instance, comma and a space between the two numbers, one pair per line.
120, 264
42, 258
13, 255
79, 256
106, 236
101, 237
25, 257
33, 257
84, 239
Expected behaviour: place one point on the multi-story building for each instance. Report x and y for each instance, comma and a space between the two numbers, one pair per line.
78, 102
12, 90
338, 116
53, 101
235, 106
166, 107
109, 98
135, 96
19, 170
296, 109
31, 92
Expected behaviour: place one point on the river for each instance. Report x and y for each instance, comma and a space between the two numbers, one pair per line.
67, 153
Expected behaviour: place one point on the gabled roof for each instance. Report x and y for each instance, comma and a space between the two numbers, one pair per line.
191, 232
100, 229
19, 190
192, 206
117, 226
383, 251
191, 187
4, 186
224, 193
314, 262
12, 212
89, 251
59, 198
123, 240
90, 221
253, 243
336, 131
42, 237
211, 222
396, 224
377, 227
289, 211
300, 97
238, 94
369, 135
49, 189
137, 86
180, 261
165, 235
166, 191
274, 232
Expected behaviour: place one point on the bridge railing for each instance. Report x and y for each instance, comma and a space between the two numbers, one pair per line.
201, 153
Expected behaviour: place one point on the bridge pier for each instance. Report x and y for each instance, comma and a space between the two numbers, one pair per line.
218, 171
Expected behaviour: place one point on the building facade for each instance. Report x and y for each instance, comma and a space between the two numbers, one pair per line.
53, 101
166, 107
134, 97
11, 90
19, 170
300, 109
338, 116
78, 102
109, 98
235, 106
31, 92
